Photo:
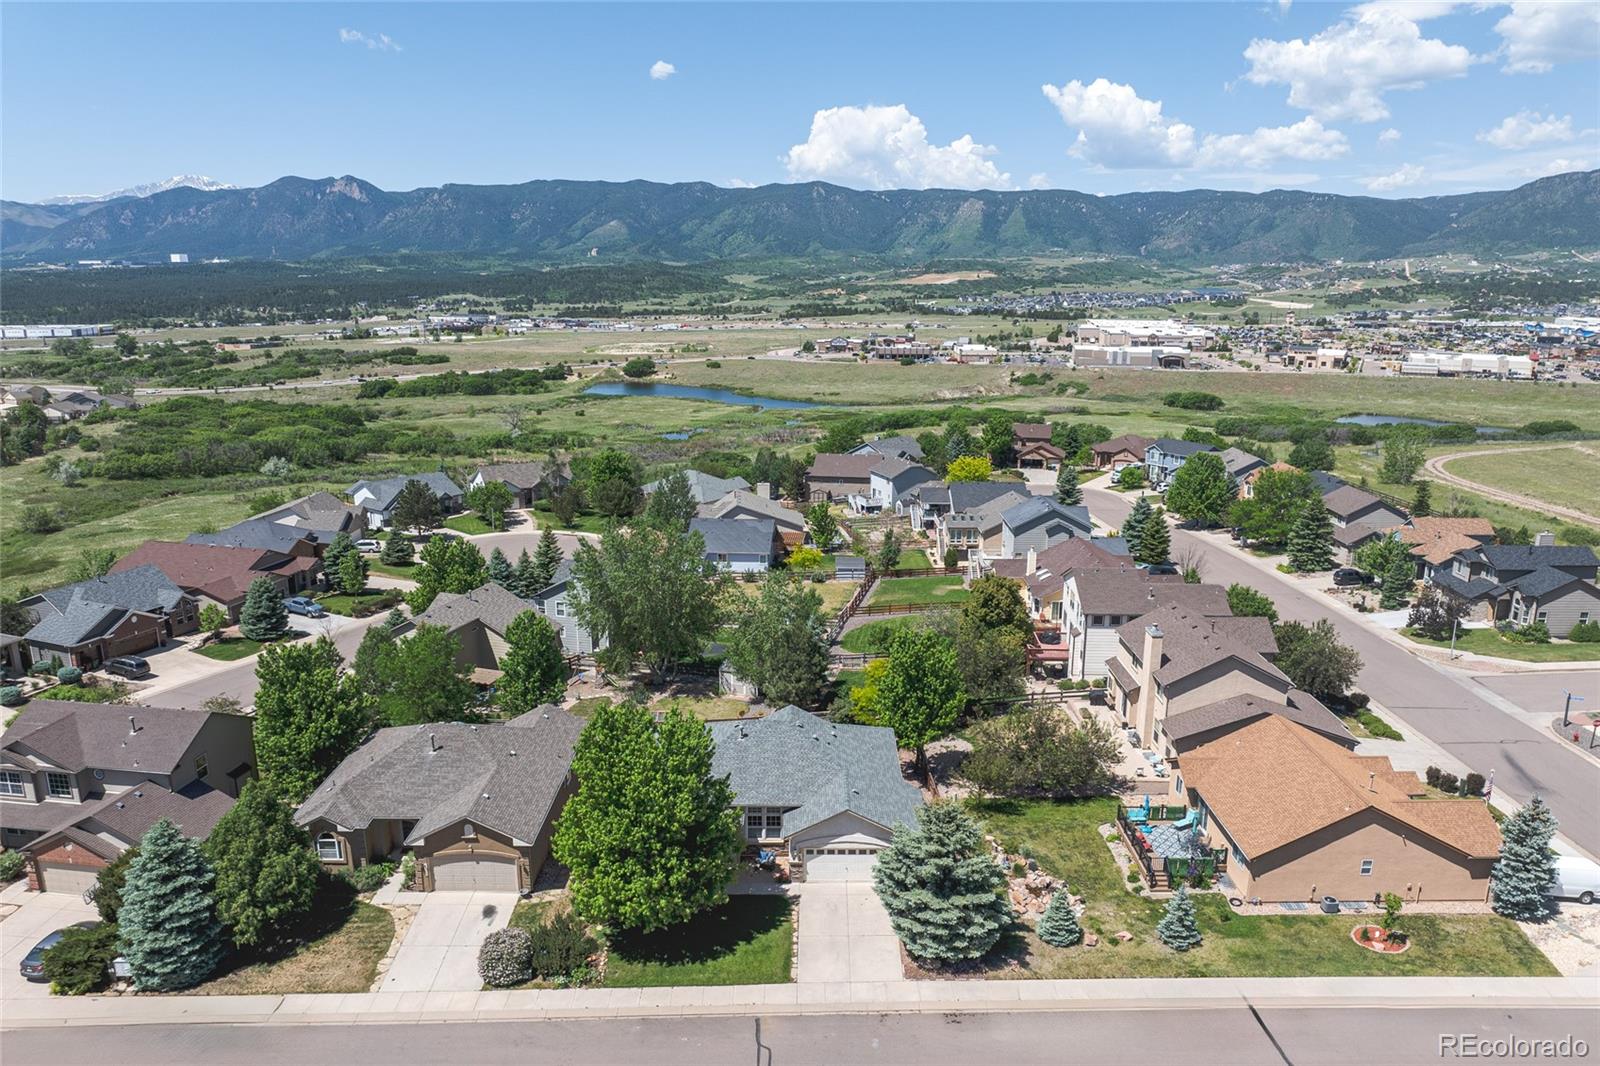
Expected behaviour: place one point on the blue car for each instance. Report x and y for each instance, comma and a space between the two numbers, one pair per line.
304, 605
33, 964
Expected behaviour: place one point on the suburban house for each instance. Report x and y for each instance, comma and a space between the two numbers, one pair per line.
321, 514
1241, 464
1247, 481
1434, 540
704, 488
1303, 817
1163, 457
1201, 725
554, 601
790, 523
830, 795
1030, 442
898, 447
478, 620
1524, 583
123, 613
929, 502
59, 760
222, 576
1038, 523
260, 534
742, 545
474, 803
840, 475
378, 497
1118, 452
888, 481
1097, 601
1359, 516
536, 479
975, 531
1043, 574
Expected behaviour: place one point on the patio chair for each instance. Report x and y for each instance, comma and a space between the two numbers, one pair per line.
765, 858
1188, 820
1137, 815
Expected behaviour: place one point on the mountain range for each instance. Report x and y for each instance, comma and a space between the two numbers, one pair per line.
562, 221
180, 181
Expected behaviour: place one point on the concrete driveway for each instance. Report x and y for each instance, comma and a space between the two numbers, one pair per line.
845, 935
440, 951
37, 914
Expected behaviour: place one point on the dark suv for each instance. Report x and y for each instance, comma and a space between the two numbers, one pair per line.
1349, 575
129, 666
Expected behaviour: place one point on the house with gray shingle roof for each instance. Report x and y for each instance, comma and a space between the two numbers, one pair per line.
124, 613
704, 488
831, 795
1038, 523
742, 545
378, 497
474, 803
478, 620
1523, 583
555, 602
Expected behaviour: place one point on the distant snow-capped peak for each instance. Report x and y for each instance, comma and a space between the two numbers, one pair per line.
182, 181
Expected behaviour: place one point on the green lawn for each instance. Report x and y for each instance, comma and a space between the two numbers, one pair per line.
230, 649
405, 573
1490, 642
913, 559
873, 637
368, 602
706, 708
1568, 476
469, 524
1065, 840
339, 951
747, 941
582, 523
917, 591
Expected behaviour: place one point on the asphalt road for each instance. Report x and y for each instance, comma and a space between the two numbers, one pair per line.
1440, 702
239, 680
1225, 1036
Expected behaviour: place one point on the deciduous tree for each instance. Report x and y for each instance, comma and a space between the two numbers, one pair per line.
778, 642
491, 500
1276, 500
266, 872
824, 527
448, 565
1246, 602
1039, 751
671, 505
612, 485
309, 715
535, 671
1201, 490
1316, 659
921, 693
969, 468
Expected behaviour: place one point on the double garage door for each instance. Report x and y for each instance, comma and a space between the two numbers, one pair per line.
471, 873
58, 877
839, 864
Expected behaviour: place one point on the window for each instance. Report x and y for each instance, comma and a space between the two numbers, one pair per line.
60, 785
559, 607
1366, 867
763, 823
11, 783
1583, 616
329, 849
200, 769
1542, 616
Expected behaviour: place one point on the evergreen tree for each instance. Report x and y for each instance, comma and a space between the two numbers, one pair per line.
1058, 925
1133, 525
335, 555
263, 616
1068, 490
522, 580
1526, 866
353, 574
266, 872
1397, 583
1155, 540
941, 887
397, 551
546, 560
415, 508
1177, 927
395, 620
1422, 504
1311, 540
499, 568
168, 922
109, 884
535, 669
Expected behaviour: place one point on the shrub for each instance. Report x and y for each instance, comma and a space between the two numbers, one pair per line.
504, 958
1449, 782
10, 696
1534, 633
39, 520
561, 948
1131, 477
11, 864
1193, 401
369, 878
1432, 776
80, 962
69, 675
1585, 633
1473, 784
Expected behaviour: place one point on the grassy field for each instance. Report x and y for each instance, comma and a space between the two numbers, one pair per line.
340, 603
230, 649
835, 594
1490, 642
747, 941
339, 953
469, 524
932, 591
874, 637
1567, 477
1065, 839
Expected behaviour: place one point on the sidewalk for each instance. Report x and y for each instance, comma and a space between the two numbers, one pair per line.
841, 998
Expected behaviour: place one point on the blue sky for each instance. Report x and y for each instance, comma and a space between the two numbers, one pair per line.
1391, 99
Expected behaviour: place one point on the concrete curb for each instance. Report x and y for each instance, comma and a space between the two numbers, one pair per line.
860, 998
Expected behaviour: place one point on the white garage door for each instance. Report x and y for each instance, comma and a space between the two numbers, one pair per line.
840, 864
469, 874
74, 879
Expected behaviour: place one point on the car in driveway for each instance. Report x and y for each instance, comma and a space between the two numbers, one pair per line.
1576, 878
1346, 576
304, 605
368, 545
131, 667
33, 962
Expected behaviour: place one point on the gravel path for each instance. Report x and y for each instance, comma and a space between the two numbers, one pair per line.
1436, 467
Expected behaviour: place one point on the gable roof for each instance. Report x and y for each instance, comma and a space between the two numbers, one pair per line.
794, 759
735, 536
1128, 442
1055, 563
1435, 540
1534, 556
894, 466
1182, 449
256, 533
223, 574
783, 517
1273, 782
493, 605
524, 475
1031, 431
385, 490
128, 815
322, 514
1036, 509
1123, 588
503, 776
1347, 500
703, 487
972, 495
78, 736
900, 445
87, 609
842, 465
1299, 707
1545, 580
1191, 642
1239, 462
1326, 482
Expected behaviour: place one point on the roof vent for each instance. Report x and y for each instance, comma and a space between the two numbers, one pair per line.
513, 751
133, 725
433, 743
121, 806
138, 793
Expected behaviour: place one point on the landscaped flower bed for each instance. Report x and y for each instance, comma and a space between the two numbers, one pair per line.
1377, 938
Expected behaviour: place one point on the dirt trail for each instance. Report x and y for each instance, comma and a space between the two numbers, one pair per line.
1436, 467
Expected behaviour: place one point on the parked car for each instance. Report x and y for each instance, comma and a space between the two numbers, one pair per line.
1576, 878
33, 962
1155, 569
367, 544
1349, 575
304, 605
129, 666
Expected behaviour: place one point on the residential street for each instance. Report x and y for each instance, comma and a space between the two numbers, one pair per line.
1231, 1035
1443, 704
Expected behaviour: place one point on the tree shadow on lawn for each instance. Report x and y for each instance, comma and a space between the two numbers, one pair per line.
711, 935
332, 907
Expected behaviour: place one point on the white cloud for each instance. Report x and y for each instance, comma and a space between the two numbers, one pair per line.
1344, 71
740, 183
1118, 129
661, 70
1409, 174
1284, 6
1558, 165
1039, 181
888, 147
378, 42
1539, 35
1307, 139
1526, 129
1389, 136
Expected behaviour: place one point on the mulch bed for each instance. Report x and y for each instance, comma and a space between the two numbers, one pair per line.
1377, 939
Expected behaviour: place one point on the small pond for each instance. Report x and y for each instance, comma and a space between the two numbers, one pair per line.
691, 392
1406, 420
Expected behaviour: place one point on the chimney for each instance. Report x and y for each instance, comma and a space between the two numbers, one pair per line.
1546, 539
1033, 561
1152, 648
764, 489
133, 726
